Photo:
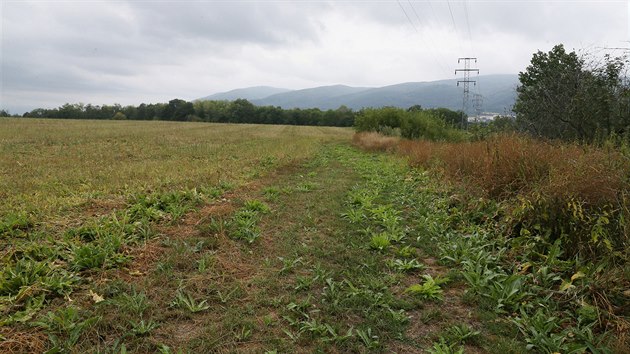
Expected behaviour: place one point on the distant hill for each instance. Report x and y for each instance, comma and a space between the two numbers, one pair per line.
321, 97
249, 93
498, 92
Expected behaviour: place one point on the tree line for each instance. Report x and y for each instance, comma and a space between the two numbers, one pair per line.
237, 111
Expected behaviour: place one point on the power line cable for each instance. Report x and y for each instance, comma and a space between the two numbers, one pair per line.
407, 16
441, 61
470, 41
437, 61
450, 10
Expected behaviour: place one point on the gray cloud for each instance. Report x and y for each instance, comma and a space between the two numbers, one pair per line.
132, 51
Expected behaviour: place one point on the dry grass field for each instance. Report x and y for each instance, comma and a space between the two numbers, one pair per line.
50, 167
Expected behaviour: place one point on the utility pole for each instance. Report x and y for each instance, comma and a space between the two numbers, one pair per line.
466, 83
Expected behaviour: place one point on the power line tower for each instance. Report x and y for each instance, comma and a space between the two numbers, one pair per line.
478, 105
466, 83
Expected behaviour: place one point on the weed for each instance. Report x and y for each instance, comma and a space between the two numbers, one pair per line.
541, 331
407, 252
244, 226
256, 206
214, 226
271, 193
15, 224
429, 290
142, 328
289, 264
303, 283
405, 265
203, 263
165, 349
462, 334
225, 297
431, 315
442, 347
369, 340
268, 320
135, 302
243, 334
380, 242
65, 327
354, 216
89, 256
187, 301
399, 317
305, 187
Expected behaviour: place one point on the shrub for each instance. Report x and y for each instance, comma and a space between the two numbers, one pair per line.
424, 125
375, 119
412, 124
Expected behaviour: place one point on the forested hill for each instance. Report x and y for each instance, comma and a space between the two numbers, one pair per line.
498, 93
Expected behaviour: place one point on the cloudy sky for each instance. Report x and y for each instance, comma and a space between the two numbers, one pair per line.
130, 52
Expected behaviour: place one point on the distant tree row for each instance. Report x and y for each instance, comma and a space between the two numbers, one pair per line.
237, 111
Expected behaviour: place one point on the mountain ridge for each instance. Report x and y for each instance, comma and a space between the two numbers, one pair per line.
498, 92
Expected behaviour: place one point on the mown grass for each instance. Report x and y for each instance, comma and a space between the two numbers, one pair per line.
84, 199
51, 167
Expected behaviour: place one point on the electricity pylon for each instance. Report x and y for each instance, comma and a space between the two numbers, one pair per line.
466, 84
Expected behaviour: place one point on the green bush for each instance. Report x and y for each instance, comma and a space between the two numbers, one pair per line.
411, 124
379, 119
424, 125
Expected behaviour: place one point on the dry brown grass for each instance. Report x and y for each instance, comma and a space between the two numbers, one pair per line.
17, 340
374, 141
510, 165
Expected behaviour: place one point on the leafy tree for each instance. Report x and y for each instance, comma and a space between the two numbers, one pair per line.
242, 111
178, 109
560, 97
415, 108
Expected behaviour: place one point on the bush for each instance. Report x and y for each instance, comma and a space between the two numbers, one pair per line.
377, 119
424, 125
412, 124
119, 116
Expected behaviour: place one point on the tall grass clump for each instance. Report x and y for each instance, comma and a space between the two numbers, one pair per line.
373, 141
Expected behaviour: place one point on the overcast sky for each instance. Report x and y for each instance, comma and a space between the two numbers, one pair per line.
128, 52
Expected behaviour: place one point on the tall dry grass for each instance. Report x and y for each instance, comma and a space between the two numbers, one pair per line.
575, 192
375, 142
508, 165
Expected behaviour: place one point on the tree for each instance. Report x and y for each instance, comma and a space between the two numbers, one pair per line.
119, 116
242, 111
178, 110
560, 97
454, 118
415, 108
